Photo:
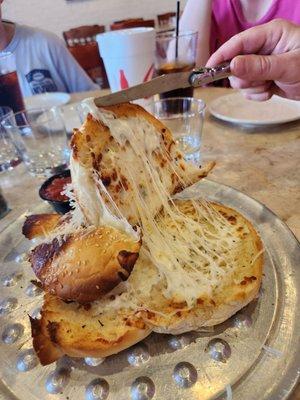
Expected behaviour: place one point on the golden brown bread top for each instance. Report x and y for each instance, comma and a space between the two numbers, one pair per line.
80, 331
40, 225
89, 140
76, 331
94, 146
85, 265
225, 300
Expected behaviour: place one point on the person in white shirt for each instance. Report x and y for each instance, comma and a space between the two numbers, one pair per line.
44, 64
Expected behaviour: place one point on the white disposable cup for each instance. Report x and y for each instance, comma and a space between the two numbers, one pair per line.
128, 56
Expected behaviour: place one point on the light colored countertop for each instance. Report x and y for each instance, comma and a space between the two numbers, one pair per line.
263, 163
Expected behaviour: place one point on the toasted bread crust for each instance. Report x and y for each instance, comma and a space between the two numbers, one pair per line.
82, 267
86, 265
94, 143
73, 330
224, 302
89, 141
45, 349
40, 225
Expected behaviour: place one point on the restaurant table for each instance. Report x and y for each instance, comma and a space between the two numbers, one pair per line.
261, 162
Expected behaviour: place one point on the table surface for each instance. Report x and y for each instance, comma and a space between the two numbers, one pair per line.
261, 162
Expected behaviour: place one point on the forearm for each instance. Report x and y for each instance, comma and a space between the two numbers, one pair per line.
197, 17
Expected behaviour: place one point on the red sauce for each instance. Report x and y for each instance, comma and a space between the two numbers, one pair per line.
53, 191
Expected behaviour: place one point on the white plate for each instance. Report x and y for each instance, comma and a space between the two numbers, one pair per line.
236, 109
46, 100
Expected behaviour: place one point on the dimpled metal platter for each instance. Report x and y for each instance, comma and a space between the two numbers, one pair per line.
253, 355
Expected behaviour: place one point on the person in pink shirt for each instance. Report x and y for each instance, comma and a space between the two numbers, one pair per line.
218, 20
265, 60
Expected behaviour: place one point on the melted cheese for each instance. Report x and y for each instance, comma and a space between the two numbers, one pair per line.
189, 252
90, 195
186, 254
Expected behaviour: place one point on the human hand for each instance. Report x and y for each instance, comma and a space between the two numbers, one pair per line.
265, 60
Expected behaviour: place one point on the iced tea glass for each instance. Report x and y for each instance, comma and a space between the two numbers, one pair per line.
184, 117
175, 54
40, 136
10, 91
9, 155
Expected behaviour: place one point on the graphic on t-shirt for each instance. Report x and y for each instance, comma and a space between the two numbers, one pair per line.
40, 81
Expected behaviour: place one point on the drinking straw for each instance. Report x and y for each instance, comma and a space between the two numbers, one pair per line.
177, 28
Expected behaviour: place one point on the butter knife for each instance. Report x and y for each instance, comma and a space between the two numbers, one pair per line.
165, 83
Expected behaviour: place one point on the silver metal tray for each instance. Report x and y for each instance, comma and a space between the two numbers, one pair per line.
254, 355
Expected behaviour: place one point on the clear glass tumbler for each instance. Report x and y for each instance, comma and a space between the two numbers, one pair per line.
184, 117
9, 155
40, 136
175, 54
73, 116
10, 91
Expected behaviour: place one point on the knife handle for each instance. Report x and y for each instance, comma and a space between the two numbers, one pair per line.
205, 75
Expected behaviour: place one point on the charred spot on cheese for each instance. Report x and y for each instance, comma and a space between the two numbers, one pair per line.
87, 306
106, 180
124, 182
114, 175
52, 328
248, 279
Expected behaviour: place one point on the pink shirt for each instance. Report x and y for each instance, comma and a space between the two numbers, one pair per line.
228, 18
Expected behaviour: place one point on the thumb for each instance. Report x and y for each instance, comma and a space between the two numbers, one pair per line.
258, 67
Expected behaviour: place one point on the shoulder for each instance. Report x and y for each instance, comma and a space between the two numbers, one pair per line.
39, 36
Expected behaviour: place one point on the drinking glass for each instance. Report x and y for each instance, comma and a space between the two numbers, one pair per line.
184, 117
10, 92
40, 136
175, 54
9, 155
73, 116
3, 205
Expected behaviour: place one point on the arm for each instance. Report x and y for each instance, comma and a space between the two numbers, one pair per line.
197, 17
265, 60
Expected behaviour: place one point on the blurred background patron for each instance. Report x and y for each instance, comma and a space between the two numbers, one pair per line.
218, 20
43, 62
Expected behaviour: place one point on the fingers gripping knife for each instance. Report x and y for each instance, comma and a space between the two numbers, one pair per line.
165, 83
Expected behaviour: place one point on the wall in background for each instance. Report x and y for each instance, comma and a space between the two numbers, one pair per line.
60, 15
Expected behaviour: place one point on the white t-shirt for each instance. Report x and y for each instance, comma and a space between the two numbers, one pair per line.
44, 64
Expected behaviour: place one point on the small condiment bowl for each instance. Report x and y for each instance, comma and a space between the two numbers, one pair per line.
60, 206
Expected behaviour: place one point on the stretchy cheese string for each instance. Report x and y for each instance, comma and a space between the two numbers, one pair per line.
190, 257
189, 247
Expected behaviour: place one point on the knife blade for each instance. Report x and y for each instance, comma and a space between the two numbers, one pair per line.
165, 83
